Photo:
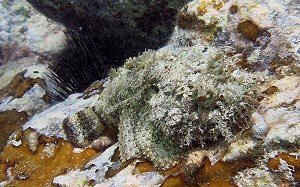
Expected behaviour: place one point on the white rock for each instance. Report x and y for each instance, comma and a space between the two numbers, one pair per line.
36, 71
31, 102
97, 168
260, 177
260, 127
239, 148
49, 122
9, 70
24, 25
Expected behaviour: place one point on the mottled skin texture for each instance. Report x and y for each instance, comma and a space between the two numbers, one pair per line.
164, 104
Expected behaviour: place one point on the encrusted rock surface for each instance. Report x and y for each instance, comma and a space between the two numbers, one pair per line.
23, 28
50, 121
221, 99
24, 91
25, 87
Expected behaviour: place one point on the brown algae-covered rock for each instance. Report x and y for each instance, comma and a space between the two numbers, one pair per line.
10, 121
28, 169
249, 29
26, 88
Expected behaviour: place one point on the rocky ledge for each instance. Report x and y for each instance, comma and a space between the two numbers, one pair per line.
218, 105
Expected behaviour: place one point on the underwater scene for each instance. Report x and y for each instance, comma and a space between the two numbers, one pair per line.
152, 93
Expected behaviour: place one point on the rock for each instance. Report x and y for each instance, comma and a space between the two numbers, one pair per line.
10, 121
240, 149
23, 92
255, 176
50, 121
32, 139
27, 90
122, 28
102, 143
260, 127
221, 98
103, 34
23, 28
12, 52
95, 171
11, 69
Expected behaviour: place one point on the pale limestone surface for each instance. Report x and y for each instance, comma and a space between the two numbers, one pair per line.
22, 24
9, 70
32, 100
96, 171
49, 122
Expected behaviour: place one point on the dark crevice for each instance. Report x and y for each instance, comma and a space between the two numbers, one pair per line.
103, 34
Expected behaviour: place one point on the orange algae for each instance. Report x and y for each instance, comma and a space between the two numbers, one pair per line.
296, 176
39, 169
10, 121
20, 85
143, 167
243, 62
2, 172
290, 61
217, 4
174, 181
234, 9
271, 90
115, 169
187, 21
146, 166
47, 98
292, 160
116, 156
26, 85
9, 89
219, 174
202, 8
249, 30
